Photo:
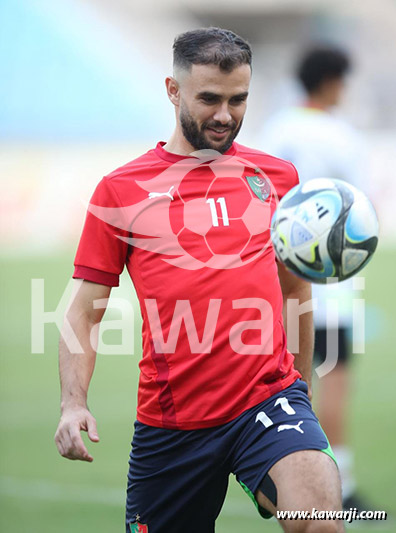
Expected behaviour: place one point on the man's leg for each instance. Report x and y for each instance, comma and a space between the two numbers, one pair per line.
334, 394
333, 406
305, 480
333, 403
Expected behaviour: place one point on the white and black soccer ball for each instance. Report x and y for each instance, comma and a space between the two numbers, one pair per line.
324, 228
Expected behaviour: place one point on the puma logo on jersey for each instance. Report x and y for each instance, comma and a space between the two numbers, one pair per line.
158, 194
290, 426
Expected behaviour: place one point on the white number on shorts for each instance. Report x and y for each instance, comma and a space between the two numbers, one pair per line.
284, 403
264, 419
285, 406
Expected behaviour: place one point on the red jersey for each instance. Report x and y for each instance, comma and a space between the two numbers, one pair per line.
194, 235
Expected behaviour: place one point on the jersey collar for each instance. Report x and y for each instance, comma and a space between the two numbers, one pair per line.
173, 158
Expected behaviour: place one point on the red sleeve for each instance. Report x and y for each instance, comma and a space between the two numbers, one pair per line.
296, 177
101, 254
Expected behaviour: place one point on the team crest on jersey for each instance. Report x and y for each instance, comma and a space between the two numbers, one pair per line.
259, 186
137, 527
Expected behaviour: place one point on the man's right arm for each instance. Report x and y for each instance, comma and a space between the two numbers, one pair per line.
76, 369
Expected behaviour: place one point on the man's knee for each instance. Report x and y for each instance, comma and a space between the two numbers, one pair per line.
302, 526
328, 526
314, 527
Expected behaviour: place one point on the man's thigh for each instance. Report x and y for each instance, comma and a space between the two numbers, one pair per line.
177, 481
304, 481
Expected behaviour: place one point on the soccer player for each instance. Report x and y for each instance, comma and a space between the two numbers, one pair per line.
321, 144
219, 392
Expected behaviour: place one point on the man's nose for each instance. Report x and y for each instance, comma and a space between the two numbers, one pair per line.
222, 114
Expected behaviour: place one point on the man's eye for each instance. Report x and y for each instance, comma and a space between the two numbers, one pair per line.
208, 99
236, 101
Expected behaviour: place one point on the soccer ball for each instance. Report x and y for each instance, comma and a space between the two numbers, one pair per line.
323, 229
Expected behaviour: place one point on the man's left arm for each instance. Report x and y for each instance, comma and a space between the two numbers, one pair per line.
298, 289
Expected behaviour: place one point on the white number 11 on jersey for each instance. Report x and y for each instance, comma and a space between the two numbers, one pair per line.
213, 211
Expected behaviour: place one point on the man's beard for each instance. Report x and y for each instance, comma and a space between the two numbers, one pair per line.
196, 136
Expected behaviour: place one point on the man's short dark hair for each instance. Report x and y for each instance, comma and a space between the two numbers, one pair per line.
211, 46
320, 64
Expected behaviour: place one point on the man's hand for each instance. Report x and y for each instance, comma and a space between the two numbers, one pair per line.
68, 438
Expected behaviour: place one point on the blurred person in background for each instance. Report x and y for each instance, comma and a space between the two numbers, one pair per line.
321, 144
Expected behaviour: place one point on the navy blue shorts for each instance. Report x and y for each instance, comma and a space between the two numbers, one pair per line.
178, 480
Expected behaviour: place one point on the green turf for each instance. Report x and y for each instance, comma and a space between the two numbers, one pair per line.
41, 492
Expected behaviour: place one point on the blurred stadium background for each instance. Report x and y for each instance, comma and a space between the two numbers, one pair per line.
82, 92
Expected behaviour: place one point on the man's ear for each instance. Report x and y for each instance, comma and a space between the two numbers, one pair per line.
173, 90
